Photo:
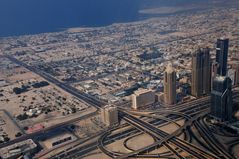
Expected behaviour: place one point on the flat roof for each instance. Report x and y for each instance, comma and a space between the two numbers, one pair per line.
169, 68
142, 91
17, 148
59, 137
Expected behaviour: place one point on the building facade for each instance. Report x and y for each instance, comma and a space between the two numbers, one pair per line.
231, 73
170, 86
222, 55
235, 66
201, 72
110, 115
142, 97
214, 68
221, 99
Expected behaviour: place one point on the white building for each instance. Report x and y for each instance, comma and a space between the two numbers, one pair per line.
231, 73
110, 115
142, 97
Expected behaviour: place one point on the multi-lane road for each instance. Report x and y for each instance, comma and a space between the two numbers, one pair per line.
191, 112
73, 91
188, 110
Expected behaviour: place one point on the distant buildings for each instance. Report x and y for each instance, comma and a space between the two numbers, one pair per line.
35, 128
235, 66
201, 72
159, 97
221, 99
110, 115
170, 85
214, 69
231, 73
3, 82
142, 97
59, 140
16, 150
221, 56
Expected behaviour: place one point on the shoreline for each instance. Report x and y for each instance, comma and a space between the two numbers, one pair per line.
143, 16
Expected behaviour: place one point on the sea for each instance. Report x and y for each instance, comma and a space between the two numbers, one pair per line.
24, 17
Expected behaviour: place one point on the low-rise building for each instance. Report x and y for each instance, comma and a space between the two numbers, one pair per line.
231, 73
59, 139
159, 97
235, 66
3, 82
17, 149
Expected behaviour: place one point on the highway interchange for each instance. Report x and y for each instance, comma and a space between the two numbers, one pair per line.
197, 109
135, 123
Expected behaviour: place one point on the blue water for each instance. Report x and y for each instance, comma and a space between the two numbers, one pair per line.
20, 17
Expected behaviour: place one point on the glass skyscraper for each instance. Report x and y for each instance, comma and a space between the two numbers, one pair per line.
201, 72
221, 56
221, 99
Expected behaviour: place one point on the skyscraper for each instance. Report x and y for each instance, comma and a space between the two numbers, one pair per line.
221, 56
170, 85
221, 99
201, 72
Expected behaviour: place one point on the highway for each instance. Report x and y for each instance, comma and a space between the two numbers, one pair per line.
164, 138
217, 147
46, 130
73, 91
191, 110
146, 127
111, 138
133, 131
85, 97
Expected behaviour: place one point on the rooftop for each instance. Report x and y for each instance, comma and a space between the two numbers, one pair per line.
59, 137
17, 149
142, 91
169, 68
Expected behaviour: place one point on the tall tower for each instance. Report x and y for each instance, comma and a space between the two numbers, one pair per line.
201, 72
221, 56
170, 85
221, 99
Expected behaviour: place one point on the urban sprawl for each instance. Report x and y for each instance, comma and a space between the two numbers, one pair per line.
165, 87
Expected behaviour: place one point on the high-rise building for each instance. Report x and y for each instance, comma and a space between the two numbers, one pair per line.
201, 72
221, 56
170, 85
110, 115
221, 99
142, 97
